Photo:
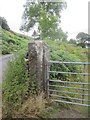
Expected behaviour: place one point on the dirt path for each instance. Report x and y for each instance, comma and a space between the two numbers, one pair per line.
69, 114
3, 64
75, 112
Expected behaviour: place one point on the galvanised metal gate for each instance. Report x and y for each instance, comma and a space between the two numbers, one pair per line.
68, 90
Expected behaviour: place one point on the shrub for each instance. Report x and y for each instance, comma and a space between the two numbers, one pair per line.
15, 86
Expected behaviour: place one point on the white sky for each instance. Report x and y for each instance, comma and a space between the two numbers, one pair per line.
74, 19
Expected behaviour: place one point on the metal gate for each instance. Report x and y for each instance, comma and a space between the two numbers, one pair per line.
69, 86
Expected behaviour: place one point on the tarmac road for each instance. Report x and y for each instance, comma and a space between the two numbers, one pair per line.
3, 65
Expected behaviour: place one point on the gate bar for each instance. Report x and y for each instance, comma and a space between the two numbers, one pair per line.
61, 62
75, 73
72, 103
69, 82
69, 97
68, 92
69, 87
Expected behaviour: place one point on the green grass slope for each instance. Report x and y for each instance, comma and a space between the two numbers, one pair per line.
62, 51
12, 42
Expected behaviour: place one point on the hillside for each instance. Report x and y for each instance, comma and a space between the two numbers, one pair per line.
64, 51
12, 41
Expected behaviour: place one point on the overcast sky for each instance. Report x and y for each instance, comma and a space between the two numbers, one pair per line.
74, 19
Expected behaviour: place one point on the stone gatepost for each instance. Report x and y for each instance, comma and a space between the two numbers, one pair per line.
38, 56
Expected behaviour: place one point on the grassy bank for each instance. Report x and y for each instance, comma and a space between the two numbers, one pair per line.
12, 42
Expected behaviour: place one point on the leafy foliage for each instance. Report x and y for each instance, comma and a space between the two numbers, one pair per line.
72, 41
63, 51
83, 39
46, 15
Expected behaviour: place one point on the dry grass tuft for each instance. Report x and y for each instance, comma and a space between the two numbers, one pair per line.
32, 107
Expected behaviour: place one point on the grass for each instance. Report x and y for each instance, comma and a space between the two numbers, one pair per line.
51, 110
12, 41
83, 110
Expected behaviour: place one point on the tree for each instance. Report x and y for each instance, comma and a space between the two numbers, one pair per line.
83, 39
46, 15
59, 35
72, 41
3, 23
